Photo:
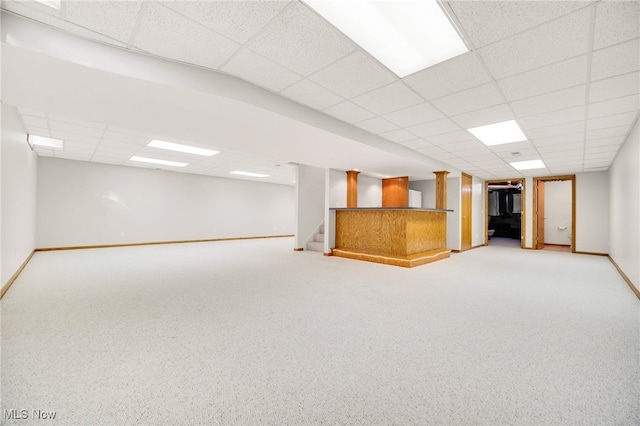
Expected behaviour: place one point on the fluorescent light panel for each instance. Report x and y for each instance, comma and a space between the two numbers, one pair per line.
182, 148
55, 4
155, 161
499, 133
406, 36
238, 172
527, 165
45, 142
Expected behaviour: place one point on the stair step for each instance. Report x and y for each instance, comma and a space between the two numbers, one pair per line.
315, 246
321, 231
319, 238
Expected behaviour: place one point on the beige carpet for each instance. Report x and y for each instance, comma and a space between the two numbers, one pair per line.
253, 333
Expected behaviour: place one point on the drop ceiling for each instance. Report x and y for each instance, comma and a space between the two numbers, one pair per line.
271, 84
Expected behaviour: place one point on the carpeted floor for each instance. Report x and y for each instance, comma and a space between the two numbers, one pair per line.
253, 333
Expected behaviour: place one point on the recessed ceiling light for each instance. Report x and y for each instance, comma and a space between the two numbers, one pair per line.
237, 172
526, 165
182, 148
45, 142
55, 4
155, 161
406, 36
499, 133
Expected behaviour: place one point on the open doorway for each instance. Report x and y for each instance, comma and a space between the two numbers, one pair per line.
505, 213
554, 218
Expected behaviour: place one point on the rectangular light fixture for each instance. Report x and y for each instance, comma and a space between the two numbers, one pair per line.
499, 133
182, 148
237, 172
404, 35
45, 142
527, 165
55, 4
161, 162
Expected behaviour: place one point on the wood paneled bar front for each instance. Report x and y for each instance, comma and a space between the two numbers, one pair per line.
395, 236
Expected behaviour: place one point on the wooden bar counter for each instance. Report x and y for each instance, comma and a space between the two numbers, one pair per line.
395, 236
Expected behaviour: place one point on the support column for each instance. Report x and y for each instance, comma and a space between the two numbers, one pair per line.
352, 188
441, 189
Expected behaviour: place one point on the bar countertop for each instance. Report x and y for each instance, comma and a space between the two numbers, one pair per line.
391, 208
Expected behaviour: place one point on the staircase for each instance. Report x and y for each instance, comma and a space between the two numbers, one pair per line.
318, 241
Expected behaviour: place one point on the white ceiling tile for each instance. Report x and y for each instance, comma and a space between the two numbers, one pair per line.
432, 128
399, 135
614, 106
554, 140
514, 154
31, 121
121, 138
377, 125
72, 155
512, 147
353, 75
558, 148
494, 114
479, 18
301, 41
453, 137
625, 119
615, 87
605, 133
572, 72
79, 148
469, 100
254, 68
443, 156
553, 101
32, 112
615, 60
604, 142
39, 131
75, 128
547, 44
418, 144
417, 114
237, 20
599, 156
459, 73
65, 119
455, 147
562, 129
598, 149
166, 33
431, 151
387, 99
115, 19
309, 93
74, 137
564, 156
616, 21
349, 112
554, 118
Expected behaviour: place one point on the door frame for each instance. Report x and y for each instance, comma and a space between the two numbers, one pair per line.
571, 178
523, 209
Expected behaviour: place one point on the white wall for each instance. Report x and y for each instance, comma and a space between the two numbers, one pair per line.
337, 188
309, 203
624, 207
369, 191
454, 219
592, 212
18, 195
81, 203
528, 213
557, 212
477, 212
428, 189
